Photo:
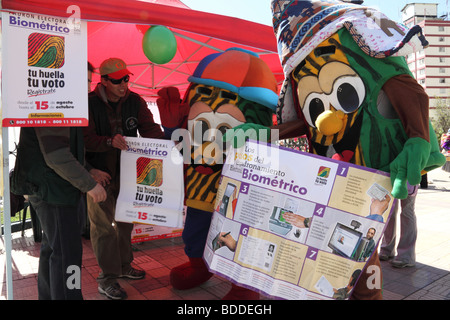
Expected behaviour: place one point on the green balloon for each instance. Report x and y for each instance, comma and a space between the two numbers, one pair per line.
159, 44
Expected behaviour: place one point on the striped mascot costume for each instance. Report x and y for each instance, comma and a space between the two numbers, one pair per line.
234, 89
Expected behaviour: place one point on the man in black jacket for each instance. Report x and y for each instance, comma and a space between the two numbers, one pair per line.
50, 170
114, 112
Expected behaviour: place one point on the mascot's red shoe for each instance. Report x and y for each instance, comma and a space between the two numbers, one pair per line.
240, 293
190, 274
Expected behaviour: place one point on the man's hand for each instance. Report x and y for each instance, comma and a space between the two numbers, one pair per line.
118, 141
100, 176
98, 193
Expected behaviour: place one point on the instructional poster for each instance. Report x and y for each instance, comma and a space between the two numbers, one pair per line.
151, 183
44, 71
293, 225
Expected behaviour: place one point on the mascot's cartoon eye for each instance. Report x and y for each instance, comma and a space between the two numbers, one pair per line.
314, 105
223, 129
200, 128
228, 95
204, 91
348, 94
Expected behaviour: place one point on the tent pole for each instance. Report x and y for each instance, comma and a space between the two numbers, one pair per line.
153, 75
7, 213
204, 44
175, 69
139, 76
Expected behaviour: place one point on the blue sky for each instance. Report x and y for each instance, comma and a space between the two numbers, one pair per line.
259, 10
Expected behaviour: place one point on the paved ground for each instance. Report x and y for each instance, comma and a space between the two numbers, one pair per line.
428, 280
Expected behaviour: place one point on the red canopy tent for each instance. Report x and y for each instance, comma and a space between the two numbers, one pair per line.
197, 33
115, 29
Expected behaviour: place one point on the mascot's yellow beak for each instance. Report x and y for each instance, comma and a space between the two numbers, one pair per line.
330, 122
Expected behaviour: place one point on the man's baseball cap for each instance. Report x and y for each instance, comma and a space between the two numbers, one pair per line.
115, 68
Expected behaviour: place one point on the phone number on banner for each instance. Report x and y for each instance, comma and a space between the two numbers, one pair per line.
45, 122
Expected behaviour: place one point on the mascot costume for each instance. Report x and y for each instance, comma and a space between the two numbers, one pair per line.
236, 90
348, 88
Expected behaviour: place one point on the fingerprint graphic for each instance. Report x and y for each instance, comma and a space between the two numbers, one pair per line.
149, 172
45, 51
324, 172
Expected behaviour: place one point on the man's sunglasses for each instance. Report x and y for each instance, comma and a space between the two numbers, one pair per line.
119, 81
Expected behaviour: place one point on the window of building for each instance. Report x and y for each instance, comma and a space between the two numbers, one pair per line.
441, 49
441, 28
441, 39
442, 80
441, 70
442, 60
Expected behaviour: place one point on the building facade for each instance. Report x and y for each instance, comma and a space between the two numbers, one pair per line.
431, 67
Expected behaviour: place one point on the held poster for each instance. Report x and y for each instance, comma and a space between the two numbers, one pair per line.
145, 232
151, 183
293, 225
44, 72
